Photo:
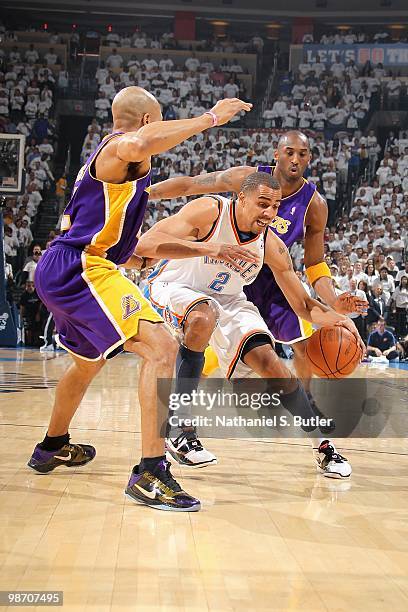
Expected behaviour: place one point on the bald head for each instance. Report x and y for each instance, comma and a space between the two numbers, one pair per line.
294, 138
133, 107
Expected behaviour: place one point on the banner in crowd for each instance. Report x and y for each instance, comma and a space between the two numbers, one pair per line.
388, 55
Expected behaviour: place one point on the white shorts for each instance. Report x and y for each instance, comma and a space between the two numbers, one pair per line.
238, 320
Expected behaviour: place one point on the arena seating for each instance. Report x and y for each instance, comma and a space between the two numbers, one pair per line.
365, 185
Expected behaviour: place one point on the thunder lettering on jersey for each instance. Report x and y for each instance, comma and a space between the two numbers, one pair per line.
209, 274
104, 218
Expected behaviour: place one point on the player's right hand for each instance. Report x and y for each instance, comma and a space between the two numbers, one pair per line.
226, 109
234, 254
348, 324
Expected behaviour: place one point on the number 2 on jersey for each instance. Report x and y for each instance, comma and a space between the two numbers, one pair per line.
220, 281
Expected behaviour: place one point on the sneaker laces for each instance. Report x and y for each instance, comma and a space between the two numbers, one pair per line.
337, 458
328, 450
191, 441
166, 477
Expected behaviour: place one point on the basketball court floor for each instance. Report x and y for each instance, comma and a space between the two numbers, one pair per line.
272, 534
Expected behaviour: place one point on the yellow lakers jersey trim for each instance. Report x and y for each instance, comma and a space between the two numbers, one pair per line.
116, 203
295, 192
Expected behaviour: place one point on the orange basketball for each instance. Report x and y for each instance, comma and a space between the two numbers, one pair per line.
333, 352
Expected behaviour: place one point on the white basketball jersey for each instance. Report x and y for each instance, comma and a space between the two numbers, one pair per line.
209, 274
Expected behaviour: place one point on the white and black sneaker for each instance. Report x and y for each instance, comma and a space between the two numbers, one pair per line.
330, 463
187, 450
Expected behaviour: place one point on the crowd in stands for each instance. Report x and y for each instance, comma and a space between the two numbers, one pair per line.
351, 37
184, 90
142, 40
365, 245
333, 97
27, 87
367, 248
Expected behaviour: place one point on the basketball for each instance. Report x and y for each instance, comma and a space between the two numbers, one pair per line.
333, 352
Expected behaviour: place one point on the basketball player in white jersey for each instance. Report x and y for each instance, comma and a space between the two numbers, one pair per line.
203, 295
302, 214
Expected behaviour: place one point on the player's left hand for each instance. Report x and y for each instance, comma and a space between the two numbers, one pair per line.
348, 324
347, 303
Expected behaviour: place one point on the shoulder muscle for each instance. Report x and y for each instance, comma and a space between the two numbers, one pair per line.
316, 218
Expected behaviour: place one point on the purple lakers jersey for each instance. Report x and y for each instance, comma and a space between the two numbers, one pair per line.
289, 224
104, 218
264, 292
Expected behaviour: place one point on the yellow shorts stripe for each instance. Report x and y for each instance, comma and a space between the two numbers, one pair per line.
119, 298
306, 328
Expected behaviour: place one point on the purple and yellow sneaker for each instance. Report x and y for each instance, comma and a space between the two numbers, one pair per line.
159, 490
70, 455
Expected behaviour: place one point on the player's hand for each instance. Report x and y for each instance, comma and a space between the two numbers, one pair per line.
348, 324
233, 254
226, 109
347, 303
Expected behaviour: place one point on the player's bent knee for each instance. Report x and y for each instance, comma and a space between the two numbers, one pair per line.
273, 368
153, 343
88, 369
200, 324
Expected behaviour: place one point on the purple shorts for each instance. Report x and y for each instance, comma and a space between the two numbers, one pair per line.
282, 321
95, 308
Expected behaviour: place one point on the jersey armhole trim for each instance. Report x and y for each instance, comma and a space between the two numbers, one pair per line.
235, 229
109, 138
215, 223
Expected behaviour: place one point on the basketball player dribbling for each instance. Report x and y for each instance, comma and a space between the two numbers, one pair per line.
302, 214
97, 311
204, 296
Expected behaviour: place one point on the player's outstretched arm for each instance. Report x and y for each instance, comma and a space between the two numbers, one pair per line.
277, 257
316, 268
177, 237
160, 136
213, 182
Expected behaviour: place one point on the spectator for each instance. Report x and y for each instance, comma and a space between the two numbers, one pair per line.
102, 106
166, 64
193, 63
372, 273
387, 283
396, 247
377, 305
399, 305
31, 55
11, 245
330, 189
51, 57
394, 90
30, 314
231, 89
149, 63
358, 319
382, 343
115, 60
29, 268
358, 272
60, 191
